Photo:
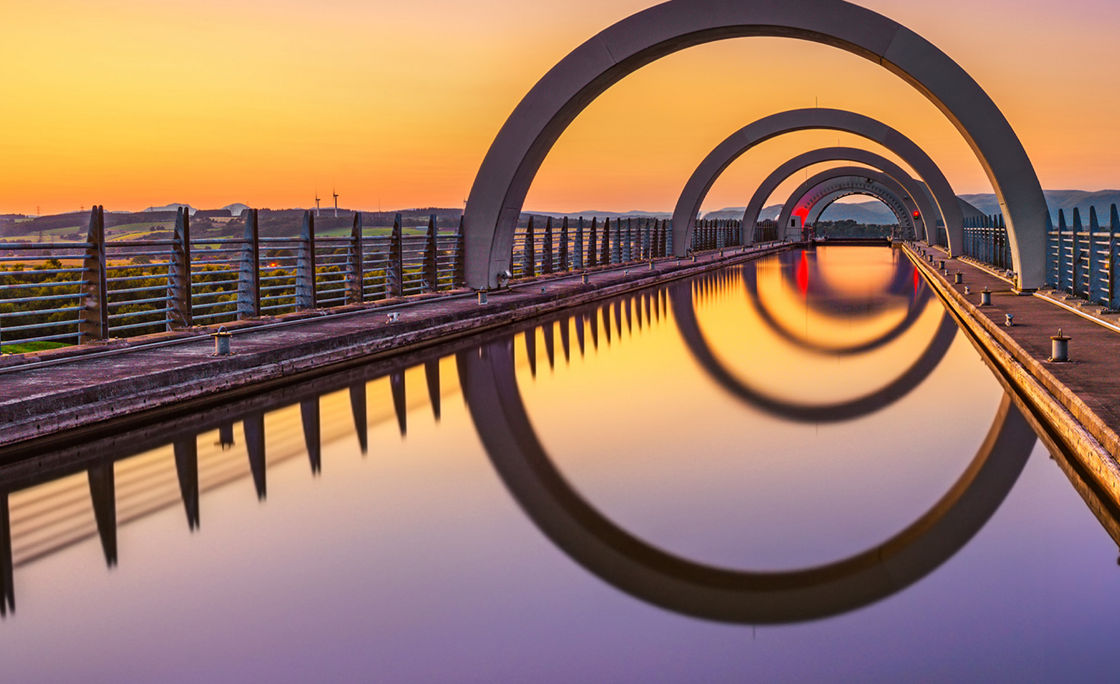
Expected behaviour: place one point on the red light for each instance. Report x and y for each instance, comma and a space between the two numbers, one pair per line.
917, 214
803, 275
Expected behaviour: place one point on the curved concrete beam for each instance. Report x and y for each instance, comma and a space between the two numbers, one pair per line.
498, 194
917, 190
850, 180
822, 204
738, 143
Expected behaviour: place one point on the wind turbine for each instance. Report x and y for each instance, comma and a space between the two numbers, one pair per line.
335, 193
316, 204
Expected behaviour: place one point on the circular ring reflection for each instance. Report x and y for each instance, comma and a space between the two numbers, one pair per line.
661, 578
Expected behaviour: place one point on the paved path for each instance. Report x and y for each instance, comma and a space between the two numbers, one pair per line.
48, 393
1093, 374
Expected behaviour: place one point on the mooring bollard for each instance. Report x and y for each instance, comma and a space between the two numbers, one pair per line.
958, 277
392, 316
651, 264
221, 342
482, 297
584, 279
986, 297
1009, 320
967, 290
941, 264
1059, 348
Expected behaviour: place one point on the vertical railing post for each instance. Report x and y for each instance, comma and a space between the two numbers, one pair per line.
668, 248
616, 244
355, 263
578, 256
249, 269
564, 265
460, 257
394, 270
646, 242
546, 248
305, 265
179, 274
1094, 276
93, 320
431, 257
605, 246
592, 250
1113, 227
1061, 249
626, 242
1077, 228
529, 252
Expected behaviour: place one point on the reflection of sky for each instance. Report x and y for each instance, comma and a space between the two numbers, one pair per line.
415, 564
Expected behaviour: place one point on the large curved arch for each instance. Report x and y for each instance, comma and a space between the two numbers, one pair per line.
651, 574
916, 189
498, 193
829, 185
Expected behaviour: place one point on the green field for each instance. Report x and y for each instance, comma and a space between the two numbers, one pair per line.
28, 347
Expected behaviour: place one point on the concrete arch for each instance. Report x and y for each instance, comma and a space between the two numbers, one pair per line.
740, 142
831, 184
498, 193
915, 188
684, 586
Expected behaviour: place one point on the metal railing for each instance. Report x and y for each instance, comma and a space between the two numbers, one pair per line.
1081, 261
985, 240
80, 292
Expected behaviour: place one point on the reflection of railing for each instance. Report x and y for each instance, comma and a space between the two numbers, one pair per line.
74, 494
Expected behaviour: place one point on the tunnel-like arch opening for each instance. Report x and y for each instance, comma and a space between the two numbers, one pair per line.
828, 186
498, 194
915, 188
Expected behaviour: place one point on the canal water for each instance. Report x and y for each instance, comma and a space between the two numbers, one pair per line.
792, 469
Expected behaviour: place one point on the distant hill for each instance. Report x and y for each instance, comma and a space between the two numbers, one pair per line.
236, 209
1058, 199
170, 207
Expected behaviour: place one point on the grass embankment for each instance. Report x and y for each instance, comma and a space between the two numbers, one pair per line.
28, 347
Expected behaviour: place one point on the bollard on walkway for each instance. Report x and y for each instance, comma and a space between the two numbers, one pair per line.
986, 297
221, 342
1059, 348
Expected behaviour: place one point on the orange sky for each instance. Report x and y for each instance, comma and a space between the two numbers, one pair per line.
131, 103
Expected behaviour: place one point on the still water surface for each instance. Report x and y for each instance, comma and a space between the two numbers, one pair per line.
793, 469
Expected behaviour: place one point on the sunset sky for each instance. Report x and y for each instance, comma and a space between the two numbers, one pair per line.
132, 103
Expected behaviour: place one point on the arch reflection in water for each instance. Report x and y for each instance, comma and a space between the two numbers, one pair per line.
802, 271
603, 323
641, 569
689, 328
